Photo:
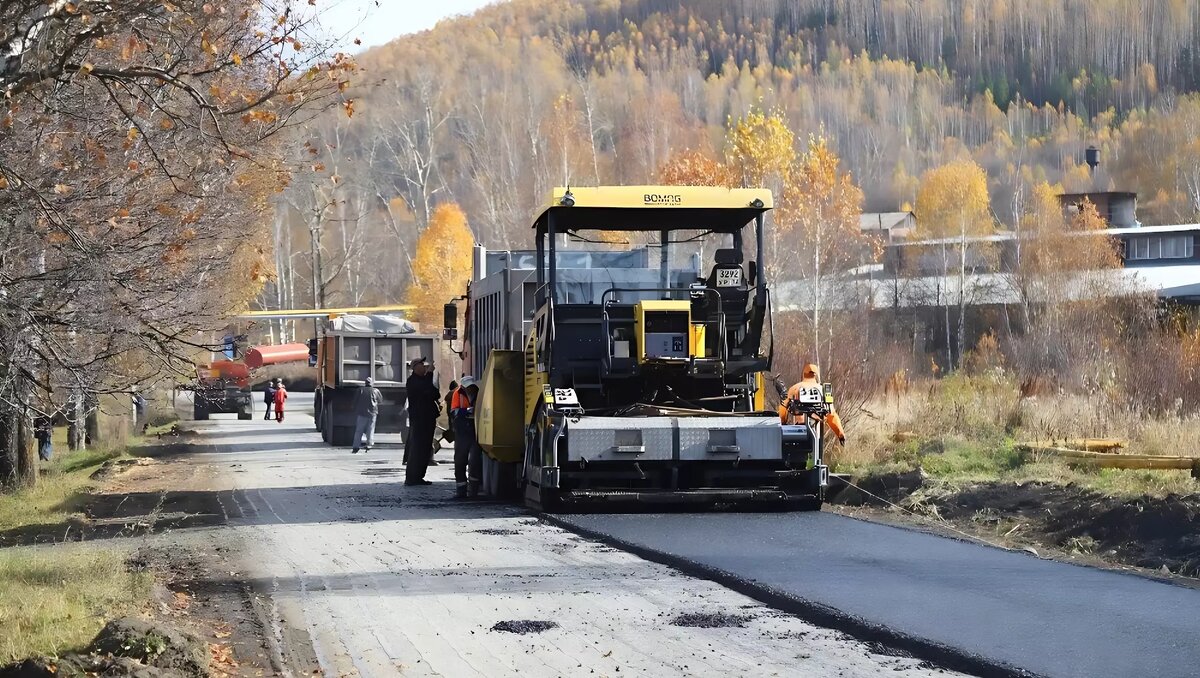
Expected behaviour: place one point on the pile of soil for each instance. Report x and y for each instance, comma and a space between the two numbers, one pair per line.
1147, 532
126, 647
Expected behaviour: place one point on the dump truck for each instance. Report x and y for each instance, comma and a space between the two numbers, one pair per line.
624, 361
222, 387
351, 348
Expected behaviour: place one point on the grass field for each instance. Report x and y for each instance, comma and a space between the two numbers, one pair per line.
962, 430
55, 598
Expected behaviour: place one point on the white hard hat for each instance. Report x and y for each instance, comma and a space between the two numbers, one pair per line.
466, 381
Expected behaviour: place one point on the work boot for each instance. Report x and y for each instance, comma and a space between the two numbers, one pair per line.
354, 451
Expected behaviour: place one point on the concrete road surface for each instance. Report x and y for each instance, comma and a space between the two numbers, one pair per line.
367, 577
1012, 608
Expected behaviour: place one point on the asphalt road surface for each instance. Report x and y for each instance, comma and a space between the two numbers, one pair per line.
1010, 608
365, 577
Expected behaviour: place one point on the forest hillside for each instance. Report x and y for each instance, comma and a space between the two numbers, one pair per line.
491, 110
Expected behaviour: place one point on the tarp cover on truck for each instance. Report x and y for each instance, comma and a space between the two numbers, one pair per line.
372, 324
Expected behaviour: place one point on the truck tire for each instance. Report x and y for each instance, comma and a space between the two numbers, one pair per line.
245, 412
327, 424
341, 436
318, 412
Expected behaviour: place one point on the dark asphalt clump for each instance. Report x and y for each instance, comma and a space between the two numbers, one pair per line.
381, 472
495, 531
717, 620
524, 626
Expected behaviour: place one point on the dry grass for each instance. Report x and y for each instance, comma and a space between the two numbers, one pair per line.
54, 599
962, 430
50, 501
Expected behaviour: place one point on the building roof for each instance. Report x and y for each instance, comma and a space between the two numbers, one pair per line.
883, 221
1092, 194
844, 291
1152, 230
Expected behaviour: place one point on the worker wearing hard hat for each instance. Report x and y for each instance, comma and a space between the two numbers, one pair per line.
811, 379
468, 465
366, 413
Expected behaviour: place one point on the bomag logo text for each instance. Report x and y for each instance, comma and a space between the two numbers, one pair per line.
663, 199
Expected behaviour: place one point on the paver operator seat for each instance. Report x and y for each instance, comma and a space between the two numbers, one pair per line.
728, 278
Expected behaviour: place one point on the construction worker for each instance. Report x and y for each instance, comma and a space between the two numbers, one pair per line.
366, 411
281, 396
467, 464
423, 401
811, 379
269, 400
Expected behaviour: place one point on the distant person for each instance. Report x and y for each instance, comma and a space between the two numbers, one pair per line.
42, 431
281, 396
366, 412
139, 411
423, 400
268, 400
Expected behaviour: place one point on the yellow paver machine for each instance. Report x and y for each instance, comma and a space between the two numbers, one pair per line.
624, 361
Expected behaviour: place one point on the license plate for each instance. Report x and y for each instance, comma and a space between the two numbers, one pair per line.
810, 395
729, 277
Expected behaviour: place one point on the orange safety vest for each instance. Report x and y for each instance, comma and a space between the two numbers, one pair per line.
459, 400
811, 379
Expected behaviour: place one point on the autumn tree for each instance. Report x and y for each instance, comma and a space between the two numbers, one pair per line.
761, 151
695, 168
1069, 287
442, 264
761, 148
139, 152
820, 213
953, 206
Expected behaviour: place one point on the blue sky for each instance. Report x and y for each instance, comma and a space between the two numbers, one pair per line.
377, 22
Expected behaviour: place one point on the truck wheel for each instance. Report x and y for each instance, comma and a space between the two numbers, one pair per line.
341, 436
318, 412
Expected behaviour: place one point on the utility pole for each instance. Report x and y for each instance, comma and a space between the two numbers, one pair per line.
318, 286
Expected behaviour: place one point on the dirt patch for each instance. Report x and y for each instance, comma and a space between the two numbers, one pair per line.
1146, 532
875, 490
126, 647
524, 626
710, 620
496, 531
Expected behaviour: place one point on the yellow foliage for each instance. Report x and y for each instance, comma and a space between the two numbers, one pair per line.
760, 147
822, 205
953, 201
441, 267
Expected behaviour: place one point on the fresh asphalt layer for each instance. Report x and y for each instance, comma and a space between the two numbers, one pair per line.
993, 608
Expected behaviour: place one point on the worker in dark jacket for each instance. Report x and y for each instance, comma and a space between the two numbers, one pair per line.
366, 412
269, 399
468, 466
423, 400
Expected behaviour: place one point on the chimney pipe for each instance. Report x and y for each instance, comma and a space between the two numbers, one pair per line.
1092, 157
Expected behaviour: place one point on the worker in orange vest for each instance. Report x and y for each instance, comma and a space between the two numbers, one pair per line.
811, 379
281, 396
468, 465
